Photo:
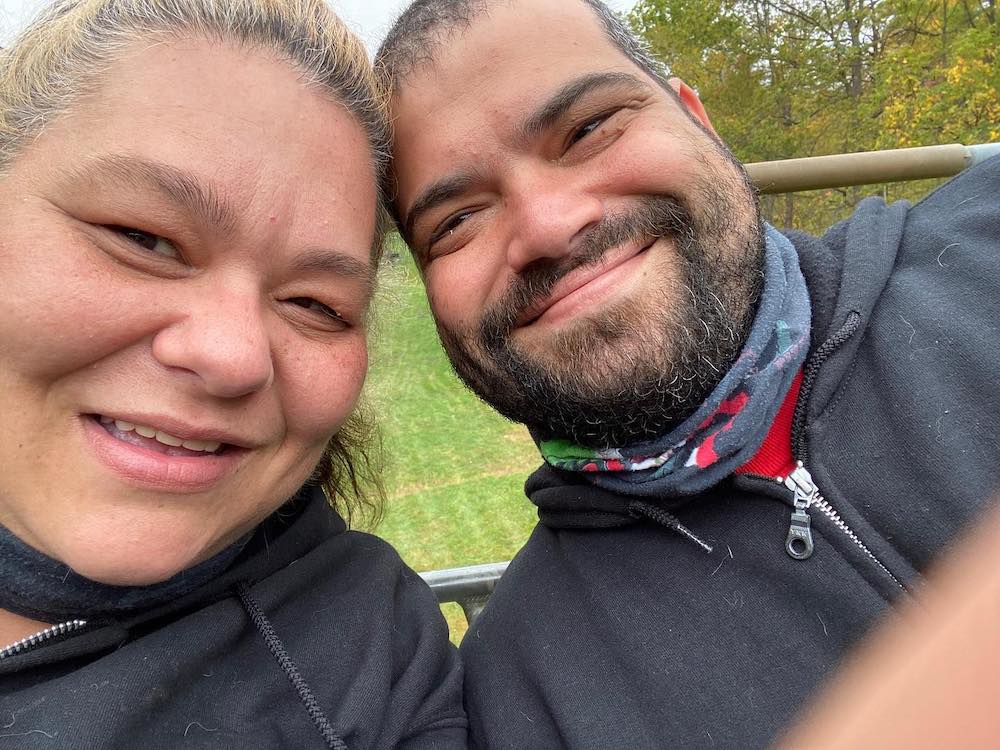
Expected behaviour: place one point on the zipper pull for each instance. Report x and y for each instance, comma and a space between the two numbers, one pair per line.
799, 542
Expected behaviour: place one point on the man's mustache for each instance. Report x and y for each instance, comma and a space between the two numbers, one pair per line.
652, 217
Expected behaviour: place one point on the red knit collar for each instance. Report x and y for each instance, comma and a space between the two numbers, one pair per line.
774, 457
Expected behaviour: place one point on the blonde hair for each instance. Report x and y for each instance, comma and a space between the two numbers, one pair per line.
63, 54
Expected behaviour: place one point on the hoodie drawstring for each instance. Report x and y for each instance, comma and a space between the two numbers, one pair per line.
639, 509
277, 650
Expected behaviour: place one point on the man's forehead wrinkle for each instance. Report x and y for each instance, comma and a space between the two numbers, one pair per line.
566, 96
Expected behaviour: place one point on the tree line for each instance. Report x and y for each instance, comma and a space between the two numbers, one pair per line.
784, 78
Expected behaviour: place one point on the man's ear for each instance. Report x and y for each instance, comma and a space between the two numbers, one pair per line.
691, 101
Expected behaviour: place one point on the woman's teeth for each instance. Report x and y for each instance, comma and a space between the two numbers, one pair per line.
208, 446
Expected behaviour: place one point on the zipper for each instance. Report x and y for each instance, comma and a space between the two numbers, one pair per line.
799, 542
805, 493
806, 496
809, 374
41, 637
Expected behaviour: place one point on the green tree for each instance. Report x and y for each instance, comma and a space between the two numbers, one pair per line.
783, 78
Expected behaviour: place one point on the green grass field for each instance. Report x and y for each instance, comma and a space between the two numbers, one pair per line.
456, 468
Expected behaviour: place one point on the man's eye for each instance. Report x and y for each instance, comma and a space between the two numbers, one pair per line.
586, 129
151, 242
449, 225
308, 303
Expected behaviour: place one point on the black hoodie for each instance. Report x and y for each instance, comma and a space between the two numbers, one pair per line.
610, 632
315, 637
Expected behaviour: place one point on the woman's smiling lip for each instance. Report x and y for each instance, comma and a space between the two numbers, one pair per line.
152, 469
597, 278
181, 429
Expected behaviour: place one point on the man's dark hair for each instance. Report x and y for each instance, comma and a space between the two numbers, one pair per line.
427, 24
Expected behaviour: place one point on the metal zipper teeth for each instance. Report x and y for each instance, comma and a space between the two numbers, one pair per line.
819, 502
800, 446
828, 510
806, 495
37, 639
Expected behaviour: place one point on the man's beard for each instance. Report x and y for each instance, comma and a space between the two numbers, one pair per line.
636, 368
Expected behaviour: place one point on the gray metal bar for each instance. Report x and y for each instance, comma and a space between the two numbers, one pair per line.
842, 170
983, 151
470, 587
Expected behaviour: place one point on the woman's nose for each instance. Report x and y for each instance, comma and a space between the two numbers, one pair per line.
223, 341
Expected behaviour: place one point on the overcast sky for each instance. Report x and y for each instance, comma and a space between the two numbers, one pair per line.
369, 18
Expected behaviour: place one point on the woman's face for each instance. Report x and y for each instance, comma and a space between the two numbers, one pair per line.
184, 257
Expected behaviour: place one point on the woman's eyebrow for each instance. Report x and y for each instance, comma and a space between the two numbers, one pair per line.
198, 198
556, 106
336, 262
203, 201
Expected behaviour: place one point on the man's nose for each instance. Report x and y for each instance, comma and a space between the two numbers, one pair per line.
223, 341
551, 216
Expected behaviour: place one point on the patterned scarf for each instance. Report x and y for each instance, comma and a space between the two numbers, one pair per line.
730, 425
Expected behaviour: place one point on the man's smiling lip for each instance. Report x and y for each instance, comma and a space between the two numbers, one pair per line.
581, 277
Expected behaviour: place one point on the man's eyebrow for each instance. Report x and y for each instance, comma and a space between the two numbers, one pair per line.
338, 263
443, 190
199, 199
553, 109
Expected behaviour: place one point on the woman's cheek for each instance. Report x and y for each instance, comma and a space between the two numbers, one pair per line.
325, 386
62, 316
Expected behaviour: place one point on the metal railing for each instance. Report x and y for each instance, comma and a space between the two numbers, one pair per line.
471, 586
867, 167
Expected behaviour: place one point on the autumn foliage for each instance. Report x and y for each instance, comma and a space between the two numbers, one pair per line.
783, 78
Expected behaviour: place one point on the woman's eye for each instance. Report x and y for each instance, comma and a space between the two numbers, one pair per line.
152, 242
308, 303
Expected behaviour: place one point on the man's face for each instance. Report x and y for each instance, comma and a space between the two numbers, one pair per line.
591, 252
